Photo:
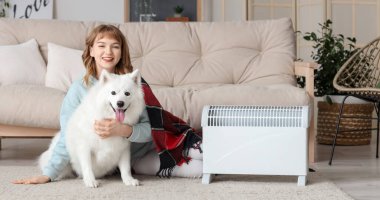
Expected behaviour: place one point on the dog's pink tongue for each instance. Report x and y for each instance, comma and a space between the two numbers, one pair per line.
120, 115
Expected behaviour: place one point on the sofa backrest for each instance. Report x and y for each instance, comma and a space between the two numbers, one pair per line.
175, 53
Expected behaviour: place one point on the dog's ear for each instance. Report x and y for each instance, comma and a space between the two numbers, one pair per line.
135, 75
105, 76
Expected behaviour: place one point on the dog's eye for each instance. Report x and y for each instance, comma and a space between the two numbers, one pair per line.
127, 93
113, 92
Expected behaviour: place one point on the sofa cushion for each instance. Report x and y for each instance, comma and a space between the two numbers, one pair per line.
68, 33
187, 102
64, 66
176, 54
30, 105
21, 63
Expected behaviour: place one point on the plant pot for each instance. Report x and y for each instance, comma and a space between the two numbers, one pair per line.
328, 118
177, 15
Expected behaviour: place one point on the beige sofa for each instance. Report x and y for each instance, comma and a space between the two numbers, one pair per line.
188, 65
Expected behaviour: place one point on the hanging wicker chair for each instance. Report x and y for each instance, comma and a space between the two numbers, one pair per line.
360, 77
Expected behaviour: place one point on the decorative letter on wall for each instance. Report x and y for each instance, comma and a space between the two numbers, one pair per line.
31, 9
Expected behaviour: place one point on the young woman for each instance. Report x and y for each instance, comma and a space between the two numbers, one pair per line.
106, 49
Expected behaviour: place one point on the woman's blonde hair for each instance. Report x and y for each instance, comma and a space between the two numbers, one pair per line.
122, 67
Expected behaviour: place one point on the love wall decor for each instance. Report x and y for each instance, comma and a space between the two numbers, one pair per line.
31, 9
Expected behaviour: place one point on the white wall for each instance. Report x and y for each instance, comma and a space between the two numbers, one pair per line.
224, 10
206, 10
235, 10
90, 10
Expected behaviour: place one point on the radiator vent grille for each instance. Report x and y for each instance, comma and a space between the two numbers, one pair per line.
256, 116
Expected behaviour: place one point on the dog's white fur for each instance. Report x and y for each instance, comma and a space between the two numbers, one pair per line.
90, 156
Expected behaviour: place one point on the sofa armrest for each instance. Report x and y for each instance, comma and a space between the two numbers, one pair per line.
306, 69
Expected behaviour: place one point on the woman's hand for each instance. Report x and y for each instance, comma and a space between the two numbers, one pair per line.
33, 180
110, 127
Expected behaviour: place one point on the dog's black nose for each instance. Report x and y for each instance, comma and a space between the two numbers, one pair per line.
120, 104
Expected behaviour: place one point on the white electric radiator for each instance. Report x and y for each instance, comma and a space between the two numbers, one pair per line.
265, 140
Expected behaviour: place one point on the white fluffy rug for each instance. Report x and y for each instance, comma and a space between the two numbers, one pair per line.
222, 187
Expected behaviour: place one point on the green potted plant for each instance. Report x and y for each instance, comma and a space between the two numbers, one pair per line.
178, 11
4, 6
331, 52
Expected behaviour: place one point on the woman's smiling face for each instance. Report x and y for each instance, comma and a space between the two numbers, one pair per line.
107, 53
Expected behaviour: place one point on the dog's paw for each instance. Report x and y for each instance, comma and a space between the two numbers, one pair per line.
91, 183
131, 181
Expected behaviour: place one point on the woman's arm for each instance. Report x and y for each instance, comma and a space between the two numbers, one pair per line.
139, 133
142, 131
60, 157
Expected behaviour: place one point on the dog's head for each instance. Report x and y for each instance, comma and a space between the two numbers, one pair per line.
122, 93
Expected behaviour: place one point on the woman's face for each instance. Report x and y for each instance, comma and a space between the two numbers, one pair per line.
107, 52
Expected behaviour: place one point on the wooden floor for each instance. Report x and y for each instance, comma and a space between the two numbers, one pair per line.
355, 169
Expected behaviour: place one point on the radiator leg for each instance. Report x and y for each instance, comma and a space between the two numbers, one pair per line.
206, 179
301, 181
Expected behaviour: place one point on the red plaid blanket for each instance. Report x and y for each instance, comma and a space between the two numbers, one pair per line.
172, 136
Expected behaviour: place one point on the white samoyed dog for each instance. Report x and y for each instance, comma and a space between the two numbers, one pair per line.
114, 96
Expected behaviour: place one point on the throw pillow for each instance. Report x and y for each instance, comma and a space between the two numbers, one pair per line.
64, 66
22, 63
